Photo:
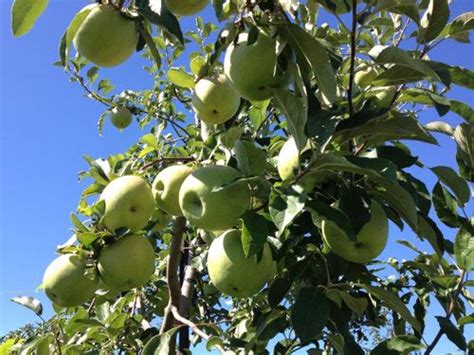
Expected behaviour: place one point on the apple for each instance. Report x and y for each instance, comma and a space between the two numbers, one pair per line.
369, 243
129, 203
365, 76
234, 274
160, 220
166, 188
384, 96
127, 263
288, 160
121, 117
65, 283
252, 68
106, 37
214, 210
185, 7
214, 100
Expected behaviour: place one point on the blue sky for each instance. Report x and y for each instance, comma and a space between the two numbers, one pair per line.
46, 125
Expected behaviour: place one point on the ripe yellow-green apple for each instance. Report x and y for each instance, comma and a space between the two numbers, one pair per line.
384, 96
234, 274
369, 242
121, 117
214, 210
288, 160
106, 37
129, 203
127, 263
252, 68
185, 7
160, 220
214, 100
166, 188
65, 283
365, 76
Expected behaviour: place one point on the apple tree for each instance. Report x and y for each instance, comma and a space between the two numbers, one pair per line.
273, 170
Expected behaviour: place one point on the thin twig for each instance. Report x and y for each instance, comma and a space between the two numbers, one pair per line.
449, 312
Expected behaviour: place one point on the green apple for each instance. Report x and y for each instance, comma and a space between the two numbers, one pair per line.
214, 210
234, 274
166, 188
106, 37
384, 96
252, 68
214, 100
65, 283
127, 263
121, 117
160, 220
365, 76
288, 160
369, 243
186, 7
129, 203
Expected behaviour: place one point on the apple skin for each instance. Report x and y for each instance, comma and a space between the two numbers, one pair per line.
166, 188
106, 37
214, 100
127, 263
364, 77
121, 117
288, 160
129, 203
65, 283
231, 272
186, 7
370, 241
218, 210
251, 68
160, 219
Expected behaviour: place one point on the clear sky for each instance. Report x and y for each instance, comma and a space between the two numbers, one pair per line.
46, 125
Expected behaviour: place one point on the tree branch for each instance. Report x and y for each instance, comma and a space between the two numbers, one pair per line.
353, 54
172, 277
449, 312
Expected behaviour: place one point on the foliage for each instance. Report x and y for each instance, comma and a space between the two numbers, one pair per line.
353, 147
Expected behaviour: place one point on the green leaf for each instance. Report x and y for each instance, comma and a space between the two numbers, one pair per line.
428, 229
87, 239
278, 290
309, 313
445, 206
395, 55
285, 207
464, 137
311, 54
464, 246
399, 344
434, 20
393, 302
78, 224
386, 128
157, 13
463, 110
30, 303
457, 184
458, 75
453, 333
254, 233
160, 344
213, 342
469, 319
296, 112
356, 304
251, 160
181, 78
440, 127
196, 64
24, 15
71, 31
404, 7
459, 28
